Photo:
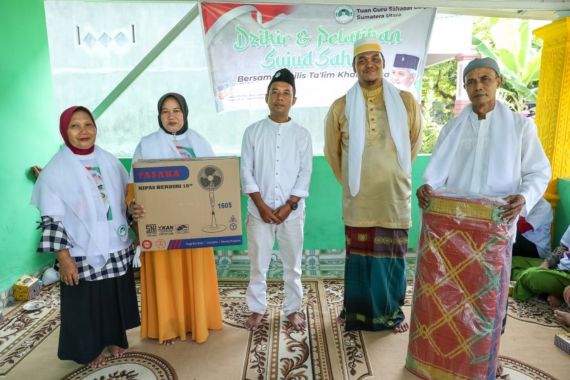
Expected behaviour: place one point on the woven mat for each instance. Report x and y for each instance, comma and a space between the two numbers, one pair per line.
322, 351
535, 310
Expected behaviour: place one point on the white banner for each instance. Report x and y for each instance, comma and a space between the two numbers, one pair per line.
247, 43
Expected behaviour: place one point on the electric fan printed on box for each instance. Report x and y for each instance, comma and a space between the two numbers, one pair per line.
210, 179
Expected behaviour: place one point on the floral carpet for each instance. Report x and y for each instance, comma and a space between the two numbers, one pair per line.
22, 331
274, 351
131, 366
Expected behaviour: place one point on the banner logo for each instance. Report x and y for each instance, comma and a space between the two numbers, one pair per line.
344, 14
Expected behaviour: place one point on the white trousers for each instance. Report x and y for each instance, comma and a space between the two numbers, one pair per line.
261, 237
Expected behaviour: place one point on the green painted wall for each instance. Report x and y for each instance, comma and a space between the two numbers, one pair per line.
324, 228
28, 132
562, 213
29, 136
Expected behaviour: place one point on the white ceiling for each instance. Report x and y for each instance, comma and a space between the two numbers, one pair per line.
528, 9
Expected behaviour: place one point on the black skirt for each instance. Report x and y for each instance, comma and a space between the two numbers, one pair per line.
96, 314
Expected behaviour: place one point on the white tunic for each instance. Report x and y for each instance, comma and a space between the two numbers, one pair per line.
540, 218
276, 161
495, 157
565, 260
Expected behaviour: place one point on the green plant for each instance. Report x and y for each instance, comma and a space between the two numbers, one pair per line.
438, 94
510, 42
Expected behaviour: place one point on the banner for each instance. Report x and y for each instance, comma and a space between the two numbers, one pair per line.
247, 43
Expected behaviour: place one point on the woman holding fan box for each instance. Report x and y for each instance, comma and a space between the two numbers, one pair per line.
179, 288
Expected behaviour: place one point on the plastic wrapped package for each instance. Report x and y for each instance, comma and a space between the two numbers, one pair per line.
461, 289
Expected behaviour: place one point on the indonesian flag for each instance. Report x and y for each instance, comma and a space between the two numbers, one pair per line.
216, 15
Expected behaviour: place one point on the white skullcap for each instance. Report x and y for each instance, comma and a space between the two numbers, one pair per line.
367, 44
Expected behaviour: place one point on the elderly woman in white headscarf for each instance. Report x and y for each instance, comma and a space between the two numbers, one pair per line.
81, 198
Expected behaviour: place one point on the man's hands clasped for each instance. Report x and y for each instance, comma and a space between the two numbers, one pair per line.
277, 216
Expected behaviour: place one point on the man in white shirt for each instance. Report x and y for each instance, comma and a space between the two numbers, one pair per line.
488, 150
276, 164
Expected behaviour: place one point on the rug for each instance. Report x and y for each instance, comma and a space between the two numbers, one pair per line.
323, 349
131, 366
534, 310
22, 331
520, 371
276, 351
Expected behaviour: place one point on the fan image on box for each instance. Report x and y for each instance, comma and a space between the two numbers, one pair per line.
210, 179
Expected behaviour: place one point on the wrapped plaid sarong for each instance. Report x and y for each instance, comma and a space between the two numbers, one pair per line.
375, 277
461, 290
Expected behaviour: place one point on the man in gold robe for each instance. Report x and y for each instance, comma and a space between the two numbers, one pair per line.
372, 135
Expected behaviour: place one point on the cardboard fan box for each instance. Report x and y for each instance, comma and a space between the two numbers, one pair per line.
189, 203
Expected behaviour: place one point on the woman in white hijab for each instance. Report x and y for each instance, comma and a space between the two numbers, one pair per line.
179, 288
81, 198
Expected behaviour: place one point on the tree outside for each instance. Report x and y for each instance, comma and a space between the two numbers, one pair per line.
511, 43
438, 100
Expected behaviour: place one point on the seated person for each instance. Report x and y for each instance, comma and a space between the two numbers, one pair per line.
550, 278
564, 316
533, 232
532, 244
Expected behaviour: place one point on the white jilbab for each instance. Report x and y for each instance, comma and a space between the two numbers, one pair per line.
66, 191
161, 145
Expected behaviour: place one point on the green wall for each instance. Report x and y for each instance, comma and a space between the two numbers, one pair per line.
324, 228
28, 132
562, 212
29, 136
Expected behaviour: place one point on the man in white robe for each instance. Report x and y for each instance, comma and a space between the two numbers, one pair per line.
488, 151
